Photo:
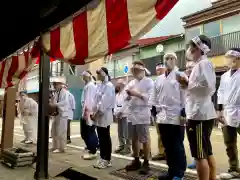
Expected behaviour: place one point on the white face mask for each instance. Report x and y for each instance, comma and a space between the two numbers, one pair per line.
189, 55
140, 75
230, 62
169, 65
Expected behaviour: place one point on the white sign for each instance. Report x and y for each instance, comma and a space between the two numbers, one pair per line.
159, 48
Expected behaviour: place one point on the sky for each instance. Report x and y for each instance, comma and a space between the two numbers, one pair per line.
172, 23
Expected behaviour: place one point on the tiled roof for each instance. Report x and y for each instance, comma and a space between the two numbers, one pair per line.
151, 41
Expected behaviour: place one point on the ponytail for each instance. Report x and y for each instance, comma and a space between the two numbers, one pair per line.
94, 79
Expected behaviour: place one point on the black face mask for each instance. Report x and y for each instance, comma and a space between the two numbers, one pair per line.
116, 90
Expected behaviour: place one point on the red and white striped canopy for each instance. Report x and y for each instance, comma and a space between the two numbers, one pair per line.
94, 33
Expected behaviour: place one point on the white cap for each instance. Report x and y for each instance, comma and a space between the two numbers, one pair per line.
58, 79
170, 54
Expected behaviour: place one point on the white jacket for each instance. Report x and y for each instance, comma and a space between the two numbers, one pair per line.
201, 87
229, 97
28, 107
104, 102
61, 99
88, 95
168, 98
72, 105
120, 105
139, 110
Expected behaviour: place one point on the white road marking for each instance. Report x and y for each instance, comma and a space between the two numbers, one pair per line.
121, 157
157, 164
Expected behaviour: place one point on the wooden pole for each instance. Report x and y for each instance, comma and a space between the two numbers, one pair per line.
8, 118
43, 119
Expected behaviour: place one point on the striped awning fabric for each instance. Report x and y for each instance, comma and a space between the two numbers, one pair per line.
14, 68
92, 34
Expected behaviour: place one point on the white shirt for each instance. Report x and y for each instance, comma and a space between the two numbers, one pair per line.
168, 98
104, 102
201, 87
139, 109
88, 95
229, 97
61, 99
72, 105
28, 107
120, 105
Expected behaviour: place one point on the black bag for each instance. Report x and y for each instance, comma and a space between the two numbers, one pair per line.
54, 110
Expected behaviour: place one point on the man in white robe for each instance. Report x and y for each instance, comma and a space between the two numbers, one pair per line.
139, 114
29, 117
189, 67
88, 129
229, 111
200, 111
120, 112
160, 69
60, 119
104, 102
72, 107
168, 98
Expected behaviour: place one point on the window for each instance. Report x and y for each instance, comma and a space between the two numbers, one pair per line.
212, 29
192, 32
72, 69
231, 24
151, 63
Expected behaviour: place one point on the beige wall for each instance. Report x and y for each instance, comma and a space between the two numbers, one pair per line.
93, 66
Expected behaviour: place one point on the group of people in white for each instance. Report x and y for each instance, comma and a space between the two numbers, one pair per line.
182, 101
63, 103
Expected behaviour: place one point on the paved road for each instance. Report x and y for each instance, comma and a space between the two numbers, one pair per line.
217, 141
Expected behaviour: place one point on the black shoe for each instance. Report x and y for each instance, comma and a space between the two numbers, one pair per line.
145, 168
134, 166
119, 149
69, 141
164, 176
159, 157
141, 154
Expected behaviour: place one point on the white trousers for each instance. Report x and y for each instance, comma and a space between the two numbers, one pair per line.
30, 128
59, 132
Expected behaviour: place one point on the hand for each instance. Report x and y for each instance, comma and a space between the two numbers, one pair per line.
132, 92
128, 98
182, 121
220, 117
119, 115
182, 81
93, 117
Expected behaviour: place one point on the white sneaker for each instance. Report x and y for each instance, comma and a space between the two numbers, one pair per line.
28, 142
104, 164
97, 163
89, 156
58, 151
229, 175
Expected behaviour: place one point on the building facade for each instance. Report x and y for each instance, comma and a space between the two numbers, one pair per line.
151, 53
219, 22
148, 51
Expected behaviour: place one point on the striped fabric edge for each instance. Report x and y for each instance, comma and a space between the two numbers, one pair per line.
15, 68
92, 34
111, 26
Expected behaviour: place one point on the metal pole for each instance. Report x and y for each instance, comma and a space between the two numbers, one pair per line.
43, 119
